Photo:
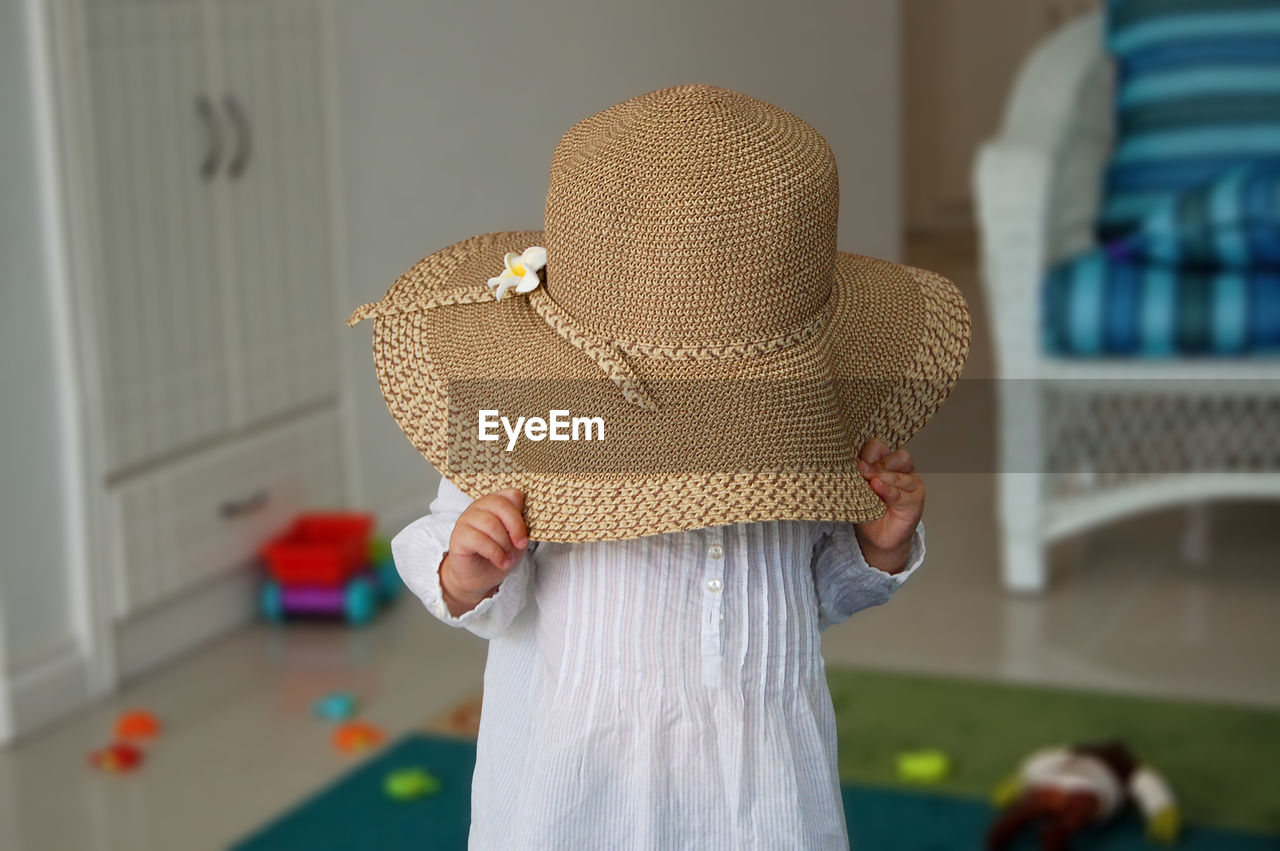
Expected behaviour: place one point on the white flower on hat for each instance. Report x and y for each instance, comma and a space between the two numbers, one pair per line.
521, 272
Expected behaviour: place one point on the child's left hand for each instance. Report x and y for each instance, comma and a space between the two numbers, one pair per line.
886, 541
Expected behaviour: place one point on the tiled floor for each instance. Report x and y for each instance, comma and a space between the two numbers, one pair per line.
240, 744
1125, 613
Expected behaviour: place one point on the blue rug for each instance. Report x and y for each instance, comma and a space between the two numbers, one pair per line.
354, 813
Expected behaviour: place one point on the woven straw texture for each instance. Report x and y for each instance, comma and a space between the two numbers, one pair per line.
694, 300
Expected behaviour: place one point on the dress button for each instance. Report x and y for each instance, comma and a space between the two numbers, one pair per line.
714, 584
716, 551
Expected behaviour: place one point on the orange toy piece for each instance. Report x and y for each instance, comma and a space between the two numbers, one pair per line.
357, 736
119, 758
137, 724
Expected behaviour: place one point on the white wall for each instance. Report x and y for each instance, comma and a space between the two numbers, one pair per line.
36, 615
450, 112
959, 64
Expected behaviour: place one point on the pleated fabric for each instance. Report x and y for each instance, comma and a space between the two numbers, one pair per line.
658, 692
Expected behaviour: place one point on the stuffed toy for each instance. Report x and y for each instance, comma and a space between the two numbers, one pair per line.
1068, 788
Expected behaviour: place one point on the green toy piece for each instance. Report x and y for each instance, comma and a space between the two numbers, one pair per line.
409, 784
1006, 792
384, 569
1165, 826
379, 549
927, 766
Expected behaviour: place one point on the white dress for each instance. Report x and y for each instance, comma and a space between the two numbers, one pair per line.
665, 692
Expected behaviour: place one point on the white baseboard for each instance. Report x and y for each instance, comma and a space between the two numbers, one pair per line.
178, 625
42, 692
57, 684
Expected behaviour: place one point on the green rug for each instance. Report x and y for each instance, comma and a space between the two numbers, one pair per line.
1222, 761
1218, 758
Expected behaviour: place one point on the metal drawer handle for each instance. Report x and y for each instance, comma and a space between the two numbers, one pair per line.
204, 108
244, 141
248, 505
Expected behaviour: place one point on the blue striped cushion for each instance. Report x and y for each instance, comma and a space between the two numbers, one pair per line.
1094, 305
1232, 222
1198, 92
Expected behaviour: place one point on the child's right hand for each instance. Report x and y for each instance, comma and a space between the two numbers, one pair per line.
487, 542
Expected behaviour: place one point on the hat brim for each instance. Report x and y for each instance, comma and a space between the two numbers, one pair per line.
739, 437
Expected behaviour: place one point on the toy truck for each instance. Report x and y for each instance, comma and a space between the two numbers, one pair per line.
328, 564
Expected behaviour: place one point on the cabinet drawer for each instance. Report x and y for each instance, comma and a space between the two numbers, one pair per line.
210, 513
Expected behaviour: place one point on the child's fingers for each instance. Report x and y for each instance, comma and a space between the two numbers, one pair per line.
899, 461
902, 481
508, 509
899, 499
476, 542
903, 492
492, 526
873, 450
891, 495
514, 496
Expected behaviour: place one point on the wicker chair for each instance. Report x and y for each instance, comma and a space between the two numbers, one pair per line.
1084, 442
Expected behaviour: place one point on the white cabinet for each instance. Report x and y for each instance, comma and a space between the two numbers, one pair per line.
283, 308
204, 304
213, 294
158, 288
194, 520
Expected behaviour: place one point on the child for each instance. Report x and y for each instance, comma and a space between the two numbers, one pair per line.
653, 583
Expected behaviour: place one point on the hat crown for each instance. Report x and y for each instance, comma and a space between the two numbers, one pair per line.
692, 215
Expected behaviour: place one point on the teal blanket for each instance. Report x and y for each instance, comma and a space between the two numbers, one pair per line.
354, 814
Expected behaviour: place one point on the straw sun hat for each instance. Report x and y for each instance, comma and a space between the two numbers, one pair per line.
694, 327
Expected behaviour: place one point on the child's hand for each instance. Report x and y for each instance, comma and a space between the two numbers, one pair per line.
487, 541
886, 541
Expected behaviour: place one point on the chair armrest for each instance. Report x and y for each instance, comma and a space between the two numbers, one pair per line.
1038, 184
1012, 188
1059, 73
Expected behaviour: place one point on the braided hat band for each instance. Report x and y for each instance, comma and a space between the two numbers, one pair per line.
605, 355
692, 301
609, 355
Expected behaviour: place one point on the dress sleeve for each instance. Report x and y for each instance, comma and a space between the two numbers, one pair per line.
845, 583
418, 550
